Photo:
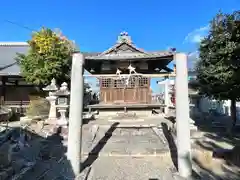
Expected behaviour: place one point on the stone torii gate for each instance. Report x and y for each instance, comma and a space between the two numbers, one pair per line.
182, 115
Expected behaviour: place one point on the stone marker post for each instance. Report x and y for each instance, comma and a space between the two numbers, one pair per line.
182, 116
75, 114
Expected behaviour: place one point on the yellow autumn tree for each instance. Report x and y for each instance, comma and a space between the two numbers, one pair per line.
49, 56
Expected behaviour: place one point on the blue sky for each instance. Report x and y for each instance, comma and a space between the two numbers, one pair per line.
95, 24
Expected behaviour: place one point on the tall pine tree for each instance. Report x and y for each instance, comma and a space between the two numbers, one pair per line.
218, 70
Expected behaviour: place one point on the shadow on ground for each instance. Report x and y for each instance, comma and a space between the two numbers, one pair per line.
26, 155
171, 144
173, 150
94, 153
224, 144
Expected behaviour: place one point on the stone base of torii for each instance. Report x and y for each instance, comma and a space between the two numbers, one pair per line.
182, 115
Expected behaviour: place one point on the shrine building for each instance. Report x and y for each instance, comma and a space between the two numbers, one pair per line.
124, 72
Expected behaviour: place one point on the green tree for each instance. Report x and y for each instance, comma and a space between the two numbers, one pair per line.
218, 68
49, 56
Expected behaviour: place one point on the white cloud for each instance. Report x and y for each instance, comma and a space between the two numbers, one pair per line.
194, 55
192, 59
196, 35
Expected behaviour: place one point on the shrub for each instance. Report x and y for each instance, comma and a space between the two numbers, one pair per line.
38, 107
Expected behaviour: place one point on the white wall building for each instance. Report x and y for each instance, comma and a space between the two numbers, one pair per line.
203, 104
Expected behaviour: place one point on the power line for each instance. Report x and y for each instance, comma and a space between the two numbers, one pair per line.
19, 25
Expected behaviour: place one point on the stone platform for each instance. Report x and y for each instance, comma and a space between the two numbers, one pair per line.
127, 150
120, 138
125, 141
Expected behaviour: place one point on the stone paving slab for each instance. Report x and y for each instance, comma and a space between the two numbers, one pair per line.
151, 120
95, 131
127, 141
145, 168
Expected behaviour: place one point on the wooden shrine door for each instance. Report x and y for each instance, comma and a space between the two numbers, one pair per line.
115, 91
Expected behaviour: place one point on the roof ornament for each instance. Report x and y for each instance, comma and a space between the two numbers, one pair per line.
132, 69
126, 78
124, 37
118, 72
172, 49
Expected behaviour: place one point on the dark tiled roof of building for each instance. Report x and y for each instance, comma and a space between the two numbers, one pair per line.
8, 53
131, 55
90, 54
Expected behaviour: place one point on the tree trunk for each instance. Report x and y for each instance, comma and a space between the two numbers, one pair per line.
233, 112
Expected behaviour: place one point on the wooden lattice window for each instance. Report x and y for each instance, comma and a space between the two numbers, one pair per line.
133, 82
119, 83
106, 82
143, 82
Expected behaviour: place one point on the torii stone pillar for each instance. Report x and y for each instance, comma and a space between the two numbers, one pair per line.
182, 116
75, 114
166, 96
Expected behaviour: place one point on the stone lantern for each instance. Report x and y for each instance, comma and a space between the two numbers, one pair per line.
51, 89
63, 104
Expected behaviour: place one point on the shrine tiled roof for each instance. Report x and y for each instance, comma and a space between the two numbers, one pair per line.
130, 55
125, 49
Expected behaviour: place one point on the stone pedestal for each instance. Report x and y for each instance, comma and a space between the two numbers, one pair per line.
53, 111
62, 121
